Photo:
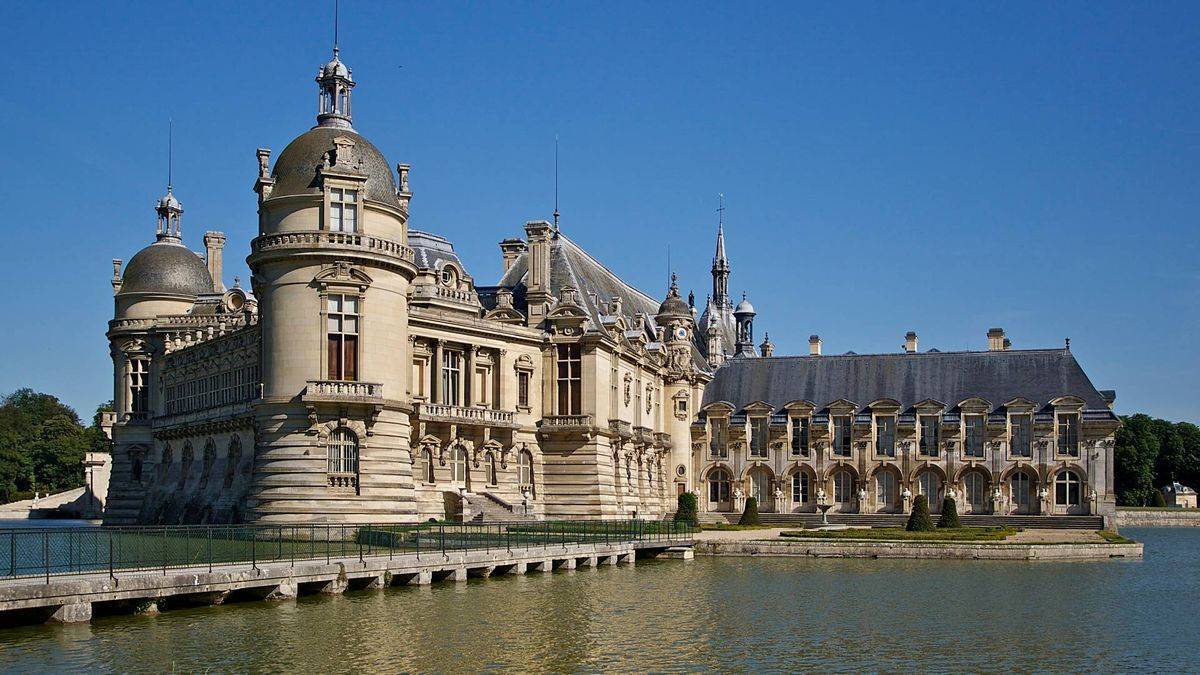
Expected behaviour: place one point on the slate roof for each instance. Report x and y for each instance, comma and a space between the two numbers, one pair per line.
1039, 375
430, 251
167, 267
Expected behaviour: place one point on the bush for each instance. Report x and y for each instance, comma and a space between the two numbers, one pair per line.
920, 521
750, 515
1158, 499
686, 511
949, 517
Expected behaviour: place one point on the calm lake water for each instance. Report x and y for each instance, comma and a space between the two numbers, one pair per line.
714, 613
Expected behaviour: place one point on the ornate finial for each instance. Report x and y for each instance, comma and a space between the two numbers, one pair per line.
237, 282
1068, 345
556, 184
692, 299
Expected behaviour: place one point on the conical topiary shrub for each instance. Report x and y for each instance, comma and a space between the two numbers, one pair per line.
686, 511
920, 521
949, 517
750, 515
1159, 500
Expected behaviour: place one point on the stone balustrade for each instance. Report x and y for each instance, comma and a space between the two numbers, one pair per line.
457, 414
343, 390
435, 291
321, 239
566, 421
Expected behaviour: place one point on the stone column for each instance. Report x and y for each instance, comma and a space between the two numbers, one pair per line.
435, 388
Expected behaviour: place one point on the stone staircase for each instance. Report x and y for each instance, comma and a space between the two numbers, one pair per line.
487, 507
899, 520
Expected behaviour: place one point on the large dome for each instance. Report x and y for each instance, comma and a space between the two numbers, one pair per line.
295, 171
167, 268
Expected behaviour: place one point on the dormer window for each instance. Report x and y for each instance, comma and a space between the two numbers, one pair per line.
974, 442
448, 277
758, 436
343, 210
841, 436
1068, 434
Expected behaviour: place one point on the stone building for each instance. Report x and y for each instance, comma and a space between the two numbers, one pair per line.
365, 376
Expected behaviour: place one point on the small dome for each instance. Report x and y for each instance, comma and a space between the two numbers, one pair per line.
295, 171
168, 201
335, 68
167, 268
744, 307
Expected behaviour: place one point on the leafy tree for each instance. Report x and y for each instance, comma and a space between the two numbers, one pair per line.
42, 444
1136, 456
750, 515
1159, 500
686, 511
920, 520
949, 517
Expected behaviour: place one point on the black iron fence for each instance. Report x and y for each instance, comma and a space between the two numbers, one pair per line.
48, 552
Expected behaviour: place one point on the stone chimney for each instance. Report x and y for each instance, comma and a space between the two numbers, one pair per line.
910, 342
537, 284
996, 340
116, 280
214, 242
511, 249
767, 347
814, 345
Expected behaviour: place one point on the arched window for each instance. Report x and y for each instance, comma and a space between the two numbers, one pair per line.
718, 486
800, 488
430, 477
885, 489
343, 452
186, 463
1066, 488
976, 485
843, 486
491, 469
458, 466
233, 460
210, 456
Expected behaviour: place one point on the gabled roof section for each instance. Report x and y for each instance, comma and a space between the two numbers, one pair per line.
1040, 375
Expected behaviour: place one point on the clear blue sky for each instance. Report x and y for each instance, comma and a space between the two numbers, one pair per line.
941, 168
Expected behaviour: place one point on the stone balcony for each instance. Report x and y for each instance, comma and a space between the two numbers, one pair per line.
622, 428
457, 414
567, 426
333, 241
343, 391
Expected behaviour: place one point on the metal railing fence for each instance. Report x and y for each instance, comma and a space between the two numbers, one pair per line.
51, 552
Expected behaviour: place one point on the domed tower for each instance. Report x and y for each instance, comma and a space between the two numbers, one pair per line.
744, 315
331, 270
682, 381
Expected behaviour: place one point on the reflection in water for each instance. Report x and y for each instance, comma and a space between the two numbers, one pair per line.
713, 613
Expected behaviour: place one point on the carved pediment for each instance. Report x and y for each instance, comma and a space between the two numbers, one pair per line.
343, 273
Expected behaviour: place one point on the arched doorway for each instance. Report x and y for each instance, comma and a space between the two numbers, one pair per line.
802, 491
929, 483
978, 499
762, 488
843, 490
719, 489
887, 491
1021, 493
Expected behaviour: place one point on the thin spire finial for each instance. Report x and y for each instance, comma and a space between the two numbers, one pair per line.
170, 151
335, 28
555, 184
720, 210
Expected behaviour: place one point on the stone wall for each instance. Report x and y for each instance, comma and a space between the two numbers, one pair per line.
1158, 518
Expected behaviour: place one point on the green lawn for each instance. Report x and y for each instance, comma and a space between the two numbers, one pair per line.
1114, 538
964, 534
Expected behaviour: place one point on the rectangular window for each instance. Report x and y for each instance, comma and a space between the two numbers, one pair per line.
718, 442
841, 436
758, 436
1068, 435
523, 389
139, 389
800, 436
930, 435
570, 394
343, 210
451, 377
885, 436
974, 445
342, 323
1022, 435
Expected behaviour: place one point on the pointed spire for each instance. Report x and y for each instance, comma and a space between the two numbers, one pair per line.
720, 266
169, 210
